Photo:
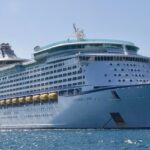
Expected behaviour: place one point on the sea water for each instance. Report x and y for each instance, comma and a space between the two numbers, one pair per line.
74, 139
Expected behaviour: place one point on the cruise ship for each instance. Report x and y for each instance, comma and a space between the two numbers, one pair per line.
81, 83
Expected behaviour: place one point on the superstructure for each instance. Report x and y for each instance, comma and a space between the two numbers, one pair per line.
83, 83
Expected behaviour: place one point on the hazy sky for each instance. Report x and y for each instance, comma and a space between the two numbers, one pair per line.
27, 23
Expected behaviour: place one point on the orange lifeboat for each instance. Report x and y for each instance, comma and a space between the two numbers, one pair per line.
8, 101
36, 97
44, 97
21, 100
28, 99
14, 100
2, 102
53, 96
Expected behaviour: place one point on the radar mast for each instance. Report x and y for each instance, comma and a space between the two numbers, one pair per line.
79, 34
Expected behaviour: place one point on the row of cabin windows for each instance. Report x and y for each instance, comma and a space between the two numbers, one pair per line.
41, 79
136, 75
112, 58
43, 74
115, 69
123, 80
39, 85
132, 65
42, 69
70, 91
38, 90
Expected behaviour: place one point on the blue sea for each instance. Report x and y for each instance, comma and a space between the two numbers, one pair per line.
74, 139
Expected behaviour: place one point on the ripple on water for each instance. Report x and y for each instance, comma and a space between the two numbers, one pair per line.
74, 139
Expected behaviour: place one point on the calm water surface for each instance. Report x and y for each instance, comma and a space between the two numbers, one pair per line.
74, 139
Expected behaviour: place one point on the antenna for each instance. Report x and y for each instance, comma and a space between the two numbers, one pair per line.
79, 34
74, 26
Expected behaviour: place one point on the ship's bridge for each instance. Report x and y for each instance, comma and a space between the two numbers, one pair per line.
86, 45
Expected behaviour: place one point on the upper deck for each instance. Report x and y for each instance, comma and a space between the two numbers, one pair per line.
7, 56
102, 45
77, 42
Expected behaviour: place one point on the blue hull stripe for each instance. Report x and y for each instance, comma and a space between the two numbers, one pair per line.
113, 87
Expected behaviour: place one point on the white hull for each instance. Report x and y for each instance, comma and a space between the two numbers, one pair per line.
89, 110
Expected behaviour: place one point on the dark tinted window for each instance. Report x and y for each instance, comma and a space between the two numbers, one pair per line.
131, 48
